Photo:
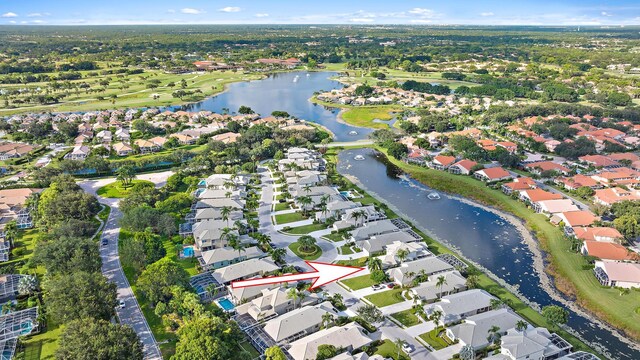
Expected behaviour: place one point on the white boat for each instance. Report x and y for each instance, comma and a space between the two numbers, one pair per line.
308, 74
359, 157
353, 132
433, 196
295, 79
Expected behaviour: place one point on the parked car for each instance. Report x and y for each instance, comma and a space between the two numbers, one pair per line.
407, 348
121, 304
391, 285
377, 286
105, 242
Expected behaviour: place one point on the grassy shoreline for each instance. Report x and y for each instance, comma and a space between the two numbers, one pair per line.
484, 281
569, 269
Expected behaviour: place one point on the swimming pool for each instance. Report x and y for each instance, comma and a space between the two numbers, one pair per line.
226, 304
187, 251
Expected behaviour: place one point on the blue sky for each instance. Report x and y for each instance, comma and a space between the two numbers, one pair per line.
484, 12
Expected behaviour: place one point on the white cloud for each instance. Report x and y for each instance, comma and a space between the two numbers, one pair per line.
361, 20
38, 14
12, 22
488, 13
262, 15
421, 12
191, 11
230, 9
604, 13
9, 15
38, 22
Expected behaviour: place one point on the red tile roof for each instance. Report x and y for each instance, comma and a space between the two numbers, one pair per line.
610, 251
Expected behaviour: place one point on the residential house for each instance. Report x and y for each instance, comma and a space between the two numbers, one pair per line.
184, 139
456, 307
577, 181
298, 323
442, 162
123, 135
122, 149
474, 330
272, 302
577, 218
146, 146
463, 167
544, 166
373, 228
244, 270
618, 274
221, 257
610, 196
158, 141
608, 251
79, 152
398, 252
492, 174
534, 196
518, 184
226, 138
552, 207
210, 234
602, 234
532, 344
349, 337
405, 273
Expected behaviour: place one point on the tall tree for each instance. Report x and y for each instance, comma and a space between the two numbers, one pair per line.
66, 255
156, 280
209, 338
89, 339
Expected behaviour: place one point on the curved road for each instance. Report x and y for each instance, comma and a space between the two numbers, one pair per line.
131, 314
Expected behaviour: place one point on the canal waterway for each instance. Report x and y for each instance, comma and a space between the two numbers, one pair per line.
481, 235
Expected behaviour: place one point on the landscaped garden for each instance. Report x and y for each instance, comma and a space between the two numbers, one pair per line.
117, 190
289, 218
305, 229
306, 254
389, 350
436, 339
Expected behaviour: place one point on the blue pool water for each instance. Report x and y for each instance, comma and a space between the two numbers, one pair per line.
226, 304
187, 252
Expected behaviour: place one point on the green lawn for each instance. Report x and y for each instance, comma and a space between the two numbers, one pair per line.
282, 206
295, 247
389, 350
335, 237
386, 298
306, 229
364, 116
436, 342
346, 250
289, 218
358, 282
42, 346
116, 190
361, 262
406, 317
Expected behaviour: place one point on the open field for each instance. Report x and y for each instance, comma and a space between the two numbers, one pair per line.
132, 90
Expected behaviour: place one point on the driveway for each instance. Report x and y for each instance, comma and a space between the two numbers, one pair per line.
131, 314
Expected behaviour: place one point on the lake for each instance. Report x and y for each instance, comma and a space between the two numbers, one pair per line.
482, 236
288, 92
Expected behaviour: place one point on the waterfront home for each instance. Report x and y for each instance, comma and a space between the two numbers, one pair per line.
225, 256
456, 307
335, 210
551, 207
608, 251
79, 152
519, 184
474, 330
532, 344
298, 323
405, 273
610, 196
577, 218
398, 252
210, 234
348, 337
430, 291
373, 228
122, 149
159, 141
14, 150
378, 243
184, 139
274, 301
533, 196
442, 162
463, 167
146, 146
492, 174
244, 270
602, 234
618, 274
219, 203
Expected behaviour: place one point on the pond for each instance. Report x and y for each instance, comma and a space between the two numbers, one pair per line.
482, 236
288, 92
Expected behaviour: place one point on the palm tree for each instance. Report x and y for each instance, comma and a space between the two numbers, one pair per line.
225, 212
402, 255
240, 226
495, 304
374, 264
293, 294
126, 174
10, 231
357, 215
278, 255
307, 243
467, 353
521, 325
336, 299
472, 281
305, 201
399, 343
442, 281
327, 320
307, 188
494, 334
228, 194
436, 316
253, 223
234, 241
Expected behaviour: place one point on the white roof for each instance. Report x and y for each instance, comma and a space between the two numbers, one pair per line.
229, 254
293, 322
455, 305
475, 328
348, 336
244, 269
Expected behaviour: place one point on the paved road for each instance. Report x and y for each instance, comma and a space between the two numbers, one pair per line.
131, 314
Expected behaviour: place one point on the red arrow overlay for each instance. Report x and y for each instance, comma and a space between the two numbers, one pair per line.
324, 273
